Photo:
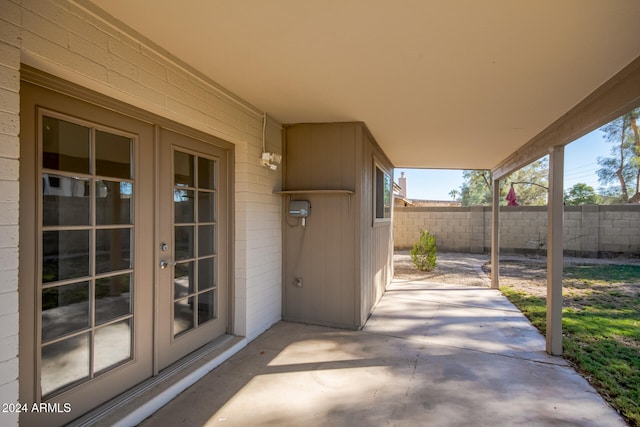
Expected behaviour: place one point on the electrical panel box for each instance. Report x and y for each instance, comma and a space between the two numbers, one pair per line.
299, 208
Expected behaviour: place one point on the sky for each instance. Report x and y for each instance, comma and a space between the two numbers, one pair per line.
580, 165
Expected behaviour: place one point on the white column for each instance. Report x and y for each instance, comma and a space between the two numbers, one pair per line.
495, 236
555, 212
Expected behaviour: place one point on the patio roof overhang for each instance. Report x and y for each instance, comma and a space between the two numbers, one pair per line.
452, 85
440, 84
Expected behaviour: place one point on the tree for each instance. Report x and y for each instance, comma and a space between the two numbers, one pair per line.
531, 184
581, 194
476, 188
610, 196
454, 194
623, 166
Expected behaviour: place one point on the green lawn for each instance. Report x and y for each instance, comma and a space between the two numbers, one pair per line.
601, 329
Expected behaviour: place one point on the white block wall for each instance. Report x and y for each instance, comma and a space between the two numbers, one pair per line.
9, 203
258, 240
85, 47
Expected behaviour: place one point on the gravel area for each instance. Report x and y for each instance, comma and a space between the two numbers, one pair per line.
453, 268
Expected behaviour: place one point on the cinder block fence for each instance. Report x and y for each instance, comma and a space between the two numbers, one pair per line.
589, 231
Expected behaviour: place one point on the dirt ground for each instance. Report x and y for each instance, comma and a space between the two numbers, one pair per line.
529, 275
524, 273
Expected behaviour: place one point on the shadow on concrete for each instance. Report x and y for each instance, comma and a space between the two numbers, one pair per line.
429, 355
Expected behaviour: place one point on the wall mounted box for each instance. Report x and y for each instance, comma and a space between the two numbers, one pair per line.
299, 208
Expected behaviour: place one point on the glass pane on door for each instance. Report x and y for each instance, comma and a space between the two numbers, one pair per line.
194, 199
86, 265
65, 146
65, 200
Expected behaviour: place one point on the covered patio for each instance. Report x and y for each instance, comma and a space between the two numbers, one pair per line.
220, 88
431, 354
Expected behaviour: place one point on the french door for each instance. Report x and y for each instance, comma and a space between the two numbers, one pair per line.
192, 255
123, 260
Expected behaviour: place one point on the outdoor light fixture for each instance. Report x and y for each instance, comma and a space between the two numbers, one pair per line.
268, 160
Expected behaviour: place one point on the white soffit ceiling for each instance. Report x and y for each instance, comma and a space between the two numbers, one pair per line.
440, 84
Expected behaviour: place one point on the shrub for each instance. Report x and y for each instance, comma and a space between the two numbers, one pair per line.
423, 253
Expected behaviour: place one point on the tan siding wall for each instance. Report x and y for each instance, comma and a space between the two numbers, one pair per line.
376, 240
321, 157
86, 48
322, 255
588, 230
345, 263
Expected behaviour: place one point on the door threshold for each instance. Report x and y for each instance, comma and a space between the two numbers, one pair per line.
134, 406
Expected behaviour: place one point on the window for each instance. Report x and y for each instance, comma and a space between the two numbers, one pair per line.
382, 194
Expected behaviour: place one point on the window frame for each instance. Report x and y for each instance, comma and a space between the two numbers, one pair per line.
382, 189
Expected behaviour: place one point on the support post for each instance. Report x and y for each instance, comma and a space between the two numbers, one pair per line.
495, 236
555, 213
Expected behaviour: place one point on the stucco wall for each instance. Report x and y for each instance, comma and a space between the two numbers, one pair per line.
590, 231
86, 48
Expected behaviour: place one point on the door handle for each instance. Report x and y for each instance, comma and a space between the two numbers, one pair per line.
164, 264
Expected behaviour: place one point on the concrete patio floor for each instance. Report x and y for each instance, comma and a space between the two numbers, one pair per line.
431, 354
